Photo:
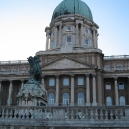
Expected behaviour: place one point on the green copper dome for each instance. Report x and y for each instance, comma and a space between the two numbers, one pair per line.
72, 7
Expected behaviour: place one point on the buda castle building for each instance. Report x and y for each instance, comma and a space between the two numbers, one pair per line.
85, 89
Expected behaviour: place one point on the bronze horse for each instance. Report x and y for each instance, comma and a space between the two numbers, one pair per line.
35, 69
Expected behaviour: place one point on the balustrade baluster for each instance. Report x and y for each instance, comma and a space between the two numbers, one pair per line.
96, 114
72, 114
91, 114
11, 113
27, 113
19, 114
76, 113
7, 114
116, 114
45, 114
31, 114
3, 113
23, 114
86, 114
111, 114
35, 113
121, 113
68, 114
0, 113
101, 114
15, 113
106, 114
82, 114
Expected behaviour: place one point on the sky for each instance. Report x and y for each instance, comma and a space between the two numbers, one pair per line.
23, 22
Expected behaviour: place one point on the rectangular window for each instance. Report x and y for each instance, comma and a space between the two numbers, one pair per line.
80, 81
65, 82
51, 82
121, 86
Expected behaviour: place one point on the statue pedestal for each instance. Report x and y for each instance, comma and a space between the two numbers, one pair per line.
32, 94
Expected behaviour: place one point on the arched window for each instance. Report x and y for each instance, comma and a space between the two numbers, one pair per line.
122, 100
86, 31
87, 42
121, 86
66, 99
51, 82
108, 101
65, 82
51, 99
80, 81
52, 44
80, 99
53, 33
108, 86
69, 39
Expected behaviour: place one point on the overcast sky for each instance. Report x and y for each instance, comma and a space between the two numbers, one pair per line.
22, 25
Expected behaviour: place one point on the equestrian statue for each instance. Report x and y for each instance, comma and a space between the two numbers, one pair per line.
35, 70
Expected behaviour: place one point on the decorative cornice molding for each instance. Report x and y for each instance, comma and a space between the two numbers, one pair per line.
70, 58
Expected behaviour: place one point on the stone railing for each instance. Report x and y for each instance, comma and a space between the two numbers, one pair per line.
113, 69
14, 72
116, 57
78, 116
14, 62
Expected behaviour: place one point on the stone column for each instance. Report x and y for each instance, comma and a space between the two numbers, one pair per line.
22, 84
100, 89
87, 90
56, 41
77, 34
94, 39
57, 91
94, 89
116, 92
72, 90
47, 40
81, 35
0, 86
10, 92
60, 34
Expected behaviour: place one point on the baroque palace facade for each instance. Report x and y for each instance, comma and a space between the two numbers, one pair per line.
85, 88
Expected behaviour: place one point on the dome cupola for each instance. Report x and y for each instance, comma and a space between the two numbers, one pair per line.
67, 7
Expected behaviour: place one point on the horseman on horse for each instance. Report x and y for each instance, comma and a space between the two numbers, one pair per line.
35, 69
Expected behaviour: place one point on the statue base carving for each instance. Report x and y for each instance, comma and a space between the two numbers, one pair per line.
32, 94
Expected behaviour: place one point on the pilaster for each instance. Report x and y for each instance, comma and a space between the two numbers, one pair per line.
72, 90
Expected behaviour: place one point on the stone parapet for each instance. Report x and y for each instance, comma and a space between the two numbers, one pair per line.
75, 117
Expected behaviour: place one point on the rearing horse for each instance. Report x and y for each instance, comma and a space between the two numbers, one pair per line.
35, 70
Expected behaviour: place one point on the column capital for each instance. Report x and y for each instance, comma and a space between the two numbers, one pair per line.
115, 78
94, 74
22, 80
87, 74
11, 81
72, 75
57, 76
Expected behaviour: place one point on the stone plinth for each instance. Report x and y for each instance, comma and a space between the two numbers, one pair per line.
32, 94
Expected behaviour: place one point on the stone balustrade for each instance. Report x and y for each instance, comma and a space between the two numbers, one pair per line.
14, 62
116, 57
113, 69
14, 72
81, 116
